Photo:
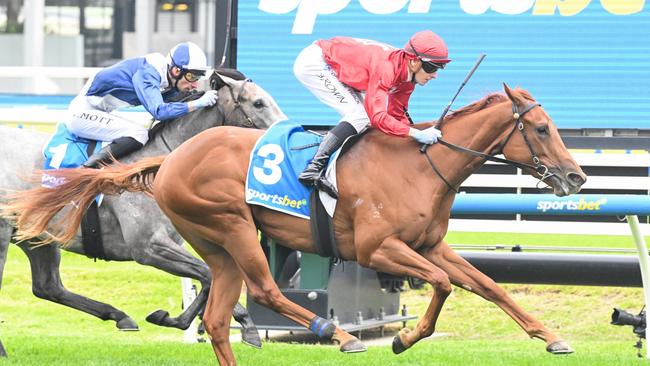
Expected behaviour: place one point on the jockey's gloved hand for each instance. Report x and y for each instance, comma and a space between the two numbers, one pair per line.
428, 136
208, 99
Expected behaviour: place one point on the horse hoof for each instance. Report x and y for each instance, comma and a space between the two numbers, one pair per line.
158, 317
127, 324
251, 337
559, 348
398, 346
353, 346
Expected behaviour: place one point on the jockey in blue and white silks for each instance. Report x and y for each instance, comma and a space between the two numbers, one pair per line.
150, 81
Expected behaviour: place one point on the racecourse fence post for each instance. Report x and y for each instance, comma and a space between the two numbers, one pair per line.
189, 294
644, 263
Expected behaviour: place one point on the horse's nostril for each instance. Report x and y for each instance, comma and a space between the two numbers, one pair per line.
576, 178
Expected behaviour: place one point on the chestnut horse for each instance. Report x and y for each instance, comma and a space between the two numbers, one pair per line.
392, 213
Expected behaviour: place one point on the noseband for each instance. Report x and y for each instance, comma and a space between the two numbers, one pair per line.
538, 167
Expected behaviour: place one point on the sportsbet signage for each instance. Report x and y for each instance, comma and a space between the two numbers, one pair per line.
586, 61
547, 204
307, 11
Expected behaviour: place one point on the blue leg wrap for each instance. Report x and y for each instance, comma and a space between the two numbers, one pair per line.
322, 328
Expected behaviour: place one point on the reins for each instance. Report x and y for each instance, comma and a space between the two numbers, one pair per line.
237, 102
538, 167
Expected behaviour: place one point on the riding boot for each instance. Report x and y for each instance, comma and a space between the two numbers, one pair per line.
313, 173
118, 148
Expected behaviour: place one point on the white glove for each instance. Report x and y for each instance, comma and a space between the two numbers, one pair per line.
428, 136
208, 99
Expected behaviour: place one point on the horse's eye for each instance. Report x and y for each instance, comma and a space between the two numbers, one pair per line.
258, 104
543, 130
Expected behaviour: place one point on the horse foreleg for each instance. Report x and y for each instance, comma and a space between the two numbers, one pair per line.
395, 257
5, 239
463, 274
46, 284
165, 254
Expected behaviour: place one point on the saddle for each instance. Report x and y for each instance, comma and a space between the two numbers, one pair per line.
322, 229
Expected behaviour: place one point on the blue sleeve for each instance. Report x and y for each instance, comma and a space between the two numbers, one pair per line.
146, 82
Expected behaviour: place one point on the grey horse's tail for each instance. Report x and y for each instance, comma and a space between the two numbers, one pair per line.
32, 210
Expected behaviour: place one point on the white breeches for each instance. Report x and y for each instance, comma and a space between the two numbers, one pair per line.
87, 120
316, 75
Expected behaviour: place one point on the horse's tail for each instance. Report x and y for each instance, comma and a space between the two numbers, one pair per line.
33, 209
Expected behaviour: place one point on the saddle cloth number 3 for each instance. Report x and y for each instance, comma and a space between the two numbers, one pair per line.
270, 172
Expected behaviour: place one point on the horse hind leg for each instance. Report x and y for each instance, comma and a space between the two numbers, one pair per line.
166, 255
464, 275
46, 284
227, 280
243, 245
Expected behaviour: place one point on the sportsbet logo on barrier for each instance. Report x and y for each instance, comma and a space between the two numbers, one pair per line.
572, 205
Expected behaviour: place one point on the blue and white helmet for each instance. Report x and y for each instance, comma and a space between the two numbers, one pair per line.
187, 56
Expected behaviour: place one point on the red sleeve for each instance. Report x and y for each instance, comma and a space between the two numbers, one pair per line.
377, 103
398, 102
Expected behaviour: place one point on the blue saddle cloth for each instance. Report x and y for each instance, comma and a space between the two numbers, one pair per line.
277, 159
64, 150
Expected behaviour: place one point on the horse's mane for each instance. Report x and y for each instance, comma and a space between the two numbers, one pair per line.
486, 102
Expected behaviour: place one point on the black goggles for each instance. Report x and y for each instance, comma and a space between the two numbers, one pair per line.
193, 76
430, 67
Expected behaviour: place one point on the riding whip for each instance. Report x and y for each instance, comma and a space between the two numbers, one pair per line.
423, 148
226, 42
469, 75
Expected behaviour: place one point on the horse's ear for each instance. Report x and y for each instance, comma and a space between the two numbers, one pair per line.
217, 78
231, 73
216, 81
508, 91
511, 95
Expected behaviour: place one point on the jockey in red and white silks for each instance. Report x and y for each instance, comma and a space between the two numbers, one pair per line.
368, 83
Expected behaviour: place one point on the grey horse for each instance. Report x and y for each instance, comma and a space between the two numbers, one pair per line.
133, 227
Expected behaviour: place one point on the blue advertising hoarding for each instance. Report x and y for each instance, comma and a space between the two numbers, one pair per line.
586, 61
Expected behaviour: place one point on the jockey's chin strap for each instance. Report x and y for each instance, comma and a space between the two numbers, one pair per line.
237, 100
538, 167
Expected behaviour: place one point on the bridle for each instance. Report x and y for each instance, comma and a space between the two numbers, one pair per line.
538, 167
238, 106
237, 100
